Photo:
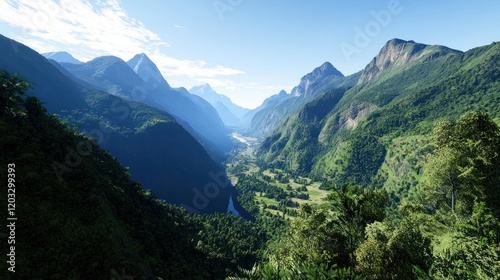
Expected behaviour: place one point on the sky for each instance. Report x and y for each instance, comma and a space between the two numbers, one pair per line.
247, 50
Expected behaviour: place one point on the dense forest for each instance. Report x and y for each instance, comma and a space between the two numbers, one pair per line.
447, 228
80, 216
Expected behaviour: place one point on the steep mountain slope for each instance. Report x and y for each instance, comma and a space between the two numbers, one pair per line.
54, 88
321, 79
159, 152
230, 113
397, 52
93, 221
405, 90
143, 82
61, 57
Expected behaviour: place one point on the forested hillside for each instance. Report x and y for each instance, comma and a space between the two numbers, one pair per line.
446, 227
80, 216
356, 136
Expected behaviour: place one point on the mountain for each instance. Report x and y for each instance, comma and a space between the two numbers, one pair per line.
311, 81
321, 79
227, 116
106, 224
140, 80
160, 153
230, 113
62, 57
246, 120
147, 70
376, 133
198, 113
397, 52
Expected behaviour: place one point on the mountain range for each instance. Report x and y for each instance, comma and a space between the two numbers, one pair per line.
140, 80
98, 97
272, 111
374, 129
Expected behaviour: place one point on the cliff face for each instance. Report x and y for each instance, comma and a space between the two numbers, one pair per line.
397, 52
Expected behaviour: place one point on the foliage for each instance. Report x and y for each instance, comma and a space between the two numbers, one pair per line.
466, 164
467, 258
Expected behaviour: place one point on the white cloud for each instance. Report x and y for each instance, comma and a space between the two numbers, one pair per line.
179, 26
95, 29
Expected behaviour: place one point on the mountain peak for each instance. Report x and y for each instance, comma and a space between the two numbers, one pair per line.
62, 57
204, 91
397, 52
318, 74
282, 92
207, 87
146, 69
138, 60
326, 69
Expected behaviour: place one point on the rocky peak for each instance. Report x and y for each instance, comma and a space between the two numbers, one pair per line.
318, 74
146, 69
397, 52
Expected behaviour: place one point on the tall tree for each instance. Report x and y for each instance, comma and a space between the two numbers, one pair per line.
466, 162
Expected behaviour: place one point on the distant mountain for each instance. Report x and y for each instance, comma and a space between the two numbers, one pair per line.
320, 80
227, 116
376, 133
148, 71
161, 154
314, 80
274, 100
230, 113
140, 80
62, 57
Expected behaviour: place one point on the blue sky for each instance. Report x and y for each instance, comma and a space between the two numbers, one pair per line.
245, 49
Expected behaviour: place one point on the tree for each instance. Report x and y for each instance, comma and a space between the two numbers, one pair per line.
401, 254
354, 208
311, 240
409, 252
443, 169
466, 162
12, 93
372, 254
467, 258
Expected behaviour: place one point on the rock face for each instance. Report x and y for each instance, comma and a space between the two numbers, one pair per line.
147, 70
306, 86
351, 117
397, 52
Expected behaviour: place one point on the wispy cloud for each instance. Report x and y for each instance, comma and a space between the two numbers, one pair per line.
179, 26
98, 28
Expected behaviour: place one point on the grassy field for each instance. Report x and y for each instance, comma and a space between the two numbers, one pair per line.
244, 162
316, 195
